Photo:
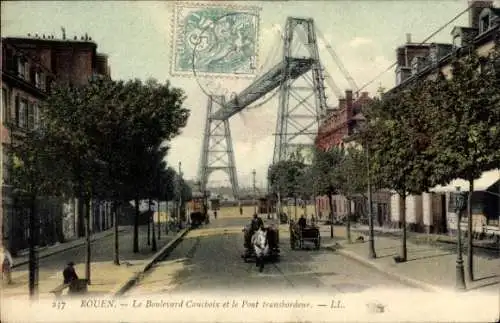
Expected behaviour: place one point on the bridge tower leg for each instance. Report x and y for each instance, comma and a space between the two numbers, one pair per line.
217, 151
301, 108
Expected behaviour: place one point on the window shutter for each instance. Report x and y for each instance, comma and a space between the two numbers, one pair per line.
10, 60
36, 115
17, 107
31, 116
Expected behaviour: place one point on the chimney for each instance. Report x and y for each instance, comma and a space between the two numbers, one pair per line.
342, 103
348, 96
408, 38
475, 9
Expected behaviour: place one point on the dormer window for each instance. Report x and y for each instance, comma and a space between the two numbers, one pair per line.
457, 41
21, 67
484, 23
414, 66
39, 80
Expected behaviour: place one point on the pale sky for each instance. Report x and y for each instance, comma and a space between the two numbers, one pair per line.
137, 37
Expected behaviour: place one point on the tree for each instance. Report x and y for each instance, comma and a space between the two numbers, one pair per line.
467, 136
35, 172
354, 180
112, 127
285, 178
326, 175
157, 116
398, 138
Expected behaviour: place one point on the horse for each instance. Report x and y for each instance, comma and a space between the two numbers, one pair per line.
261, 247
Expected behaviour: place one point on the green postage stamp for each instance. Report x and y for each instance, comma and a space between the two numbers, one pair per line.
214, 40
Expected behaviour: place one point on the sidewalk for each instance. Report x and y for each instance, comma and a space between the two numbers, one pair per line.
428, 238
23, 256
429, 267
105, 276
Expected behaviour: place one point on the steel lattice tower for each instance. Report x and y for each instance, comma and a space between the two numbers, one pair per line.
299, 121
217, 152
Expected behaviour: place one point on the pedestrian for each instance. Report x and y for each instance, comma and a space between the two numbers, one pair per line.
7, 263
69, 273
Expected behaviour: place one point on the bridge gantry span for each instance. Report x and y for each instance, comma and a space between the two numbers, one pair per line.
300, 109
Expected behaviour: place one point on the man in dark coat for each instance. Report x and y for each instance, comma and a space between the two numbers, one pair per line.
256, 223
69, 273
302, 222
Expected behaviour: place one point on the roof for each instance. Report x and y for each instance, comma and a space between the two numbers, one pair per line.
487, 180
49, 41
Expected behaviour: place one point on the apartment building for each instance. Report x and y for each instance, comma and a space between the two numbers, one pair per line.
334, 132
30, 67
434, 212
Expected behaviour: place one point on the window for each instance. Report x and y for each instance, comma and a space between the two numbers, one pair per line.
484, 24
457, 41
23, 110
38, 79
21, 67
31, 116
414, 66
36, 115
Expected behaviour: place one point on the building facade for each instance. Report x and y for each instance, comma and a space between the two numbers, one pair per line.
434, 212
333, 132
30, 66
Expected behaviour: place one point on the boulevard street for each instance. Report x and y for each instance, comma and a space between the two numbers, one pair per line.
209, 259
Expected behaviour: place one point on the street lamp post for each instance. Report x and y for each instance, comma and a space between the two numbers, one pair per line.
459, 207
180, 195
254, 193
371, 241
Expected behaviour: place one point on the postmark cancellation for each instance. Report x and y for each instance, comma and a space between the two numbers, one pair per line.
214, 40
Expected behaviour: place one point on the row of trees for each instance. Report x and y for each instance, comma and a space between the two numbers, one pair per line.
426, 133
435, 130
337, 171
104, 140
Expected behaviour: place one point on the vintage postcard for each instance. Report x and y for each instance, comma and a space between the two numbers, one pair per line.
250, 161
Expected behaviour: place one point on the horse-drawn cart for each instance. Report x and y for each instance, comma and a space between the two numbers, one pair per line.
272, 236
299, 235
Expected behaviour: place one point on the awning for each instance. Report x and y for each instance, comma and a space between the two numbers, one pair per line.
483, 183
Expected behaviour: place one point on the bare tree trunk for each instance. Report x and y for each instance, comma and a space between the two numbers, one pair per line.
87, 240
330, 201
315, 207
153, 244
136, 226
348, 222
470, 247
404, 252
295, 207
33, 261
116, 255
149, 222
159, 221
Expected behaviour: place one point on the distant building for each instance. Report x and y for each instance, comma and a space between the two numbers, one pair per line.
30, 67
334, 132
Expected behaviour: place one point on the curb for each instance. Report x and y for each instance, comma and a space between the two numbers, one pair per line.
415, 239
401, 278
76, 245
165, 251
